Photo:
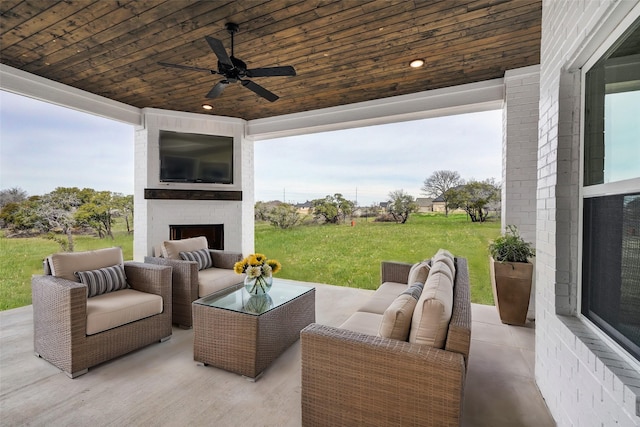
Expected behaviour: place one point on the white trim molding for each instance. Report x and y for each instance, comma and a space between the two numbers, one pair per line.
27, 84
473, 97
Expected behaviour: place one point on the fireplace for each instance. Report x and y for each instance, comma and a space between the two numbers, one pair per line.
213, 232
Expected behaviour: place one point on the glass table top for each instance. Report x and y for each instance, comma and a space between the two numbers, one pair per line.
238, 299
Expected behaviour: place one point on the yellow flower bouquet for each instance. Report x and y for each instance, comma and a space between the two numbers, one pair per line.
259, 271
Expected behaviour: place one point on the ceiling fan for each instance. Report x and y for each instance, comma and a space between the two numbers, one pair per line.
235, 70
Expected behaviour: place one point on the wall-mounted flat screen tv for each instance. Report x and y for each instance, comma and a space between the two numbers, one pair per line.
190, 157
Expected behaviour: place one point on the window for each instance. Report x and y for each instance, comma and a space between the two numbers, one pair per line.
611, 192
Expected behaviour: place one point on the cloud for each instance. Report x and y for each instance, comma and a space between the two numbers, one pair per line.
43, 146
368, 163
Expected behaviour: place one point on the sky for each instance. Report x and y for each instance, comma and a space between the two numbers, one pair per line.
44, 146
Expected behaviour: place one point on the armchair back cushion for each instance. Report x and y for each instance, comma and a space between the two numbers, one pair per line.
65, 264
171, 248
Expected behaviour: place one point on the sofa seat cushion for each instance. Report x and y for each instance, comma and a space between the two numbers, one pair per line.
118, 308
432, 314
65, 264
363, 322
383, 297
396, 320
171, 248
213, 279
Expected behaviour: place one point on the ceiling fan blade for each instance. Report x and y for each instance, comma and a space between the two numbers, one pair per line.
269, 96
272, 71
217, 90
218, 48
187, 67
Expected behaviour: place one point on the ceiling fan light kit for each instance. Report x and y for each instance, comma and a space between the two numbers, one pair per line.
235, 70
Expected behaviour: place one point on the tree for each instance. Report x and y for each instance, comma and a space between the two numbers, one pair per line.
475, 197
332, 209
283, 216
400, 205
98, 212
20, 215
439, 184
124, 204
12, 195
56, 211
261, 211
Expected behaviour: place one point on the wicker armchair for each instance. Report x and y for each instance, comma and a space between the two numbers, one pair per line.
189, 283
61, 307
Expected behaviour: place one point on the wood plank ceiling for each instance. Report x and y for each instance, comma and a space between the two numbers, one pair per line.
343, 51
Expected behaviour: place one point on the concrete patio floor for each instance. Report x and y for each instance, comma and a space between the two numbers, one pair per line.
162, 385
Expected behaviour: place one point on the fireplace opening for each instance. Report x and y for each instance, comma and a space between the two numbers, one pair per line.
213, 232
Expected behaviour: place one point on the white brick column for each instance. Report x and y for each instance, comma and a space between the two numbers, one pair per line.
520, 149
152, 217
520, 154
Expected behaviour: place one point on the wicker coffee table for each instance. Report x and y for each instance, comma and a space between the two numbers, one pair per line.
244, 334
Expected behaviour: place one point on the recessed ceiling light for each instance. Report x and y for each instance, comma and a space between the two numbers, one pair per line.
417, 63
207, 106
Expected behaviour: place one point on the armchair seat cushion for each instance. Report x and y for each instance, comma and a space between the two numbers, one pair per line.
118, 308
214, 279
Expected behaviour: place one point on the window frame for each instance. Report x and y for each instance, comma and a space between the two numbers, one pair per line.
599, 190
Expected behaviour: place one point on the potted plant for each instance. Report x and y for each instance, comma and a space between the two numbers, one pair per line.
511, 275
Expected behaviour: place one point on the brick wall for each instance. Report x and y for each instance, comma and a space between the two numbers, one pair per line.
584, 379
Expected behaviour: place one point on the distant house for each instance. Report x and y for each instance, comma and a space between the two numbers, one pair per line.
439, 205
304, 208
384, 206
425, 204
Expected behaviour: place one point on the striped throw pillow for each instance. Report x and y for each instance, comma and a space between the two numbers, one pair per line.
202, 257
103, 280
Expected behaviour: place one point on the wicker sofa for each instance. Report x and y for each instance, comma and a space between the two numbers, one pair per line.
352, 376
75, 331
190, 282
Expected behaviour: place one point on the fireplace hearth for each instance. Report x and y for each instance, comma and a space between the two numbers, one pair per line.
213, 232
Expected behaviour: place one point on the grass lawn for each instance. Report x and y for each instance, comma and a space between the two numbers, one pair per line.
350, 256
334, 254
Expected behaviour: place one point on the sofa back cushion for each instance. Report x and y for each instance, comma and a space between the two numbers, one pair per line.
65, 264
419, 272
430, 320
396, 320
440, 266
171, 248
446, 257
